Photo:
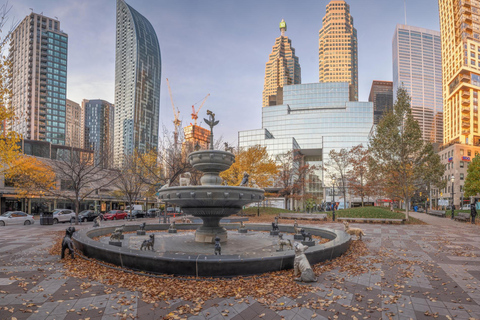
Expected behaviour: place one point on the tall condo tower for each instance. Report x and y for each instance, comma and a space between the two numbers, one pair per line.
99, 123
74, 125
137, 84
38, 52
281, 69
417, 65
461, 70
337, 47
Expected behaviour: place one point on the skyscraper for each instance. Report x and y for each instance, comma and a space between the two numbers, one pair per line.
137, 84
381, 94
74, 125
337, 47
417, 64
38, 53
99, 123
461, 70
281, 69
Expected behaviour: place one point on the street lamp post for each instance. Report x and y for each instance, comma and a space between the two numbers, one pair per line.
453, 192
333, 207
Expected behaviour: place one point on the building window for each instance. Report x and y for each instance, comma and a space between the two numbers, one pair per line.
461, 164
469, 152
461, 176
461, 152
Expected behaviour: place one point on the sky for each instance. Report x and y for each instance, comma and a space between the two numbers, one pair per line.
220, 47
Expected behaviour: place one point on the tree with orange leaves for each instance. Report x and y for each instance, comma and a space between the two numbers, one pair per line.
256, 162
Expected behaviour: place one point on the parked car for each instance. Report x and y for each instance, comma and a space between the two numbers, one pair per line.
16, 217
136, 214
87, 215
115, 215
152, 213
63, 215
466, 207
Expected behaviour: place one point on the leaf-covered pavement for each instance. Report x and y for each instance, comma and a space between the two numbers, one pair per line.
397, 272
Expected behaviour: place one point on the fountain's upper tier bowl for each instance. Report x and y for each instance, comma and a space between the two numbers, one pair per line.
211, 160
211, 200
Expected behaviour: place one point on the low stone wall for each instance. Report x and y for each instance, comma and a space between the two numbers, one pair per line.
202, 265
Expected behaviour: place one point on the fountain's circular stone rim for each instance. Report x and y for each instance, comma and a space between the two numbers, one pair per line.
206, 265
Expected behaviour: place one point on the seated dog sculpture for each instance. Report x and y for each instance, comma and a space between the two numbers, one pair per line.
284, 242
218, 246
117, 234
353, 231
306, 235
148, 244
96, 222
185, 179
67, 242
142, 226
301, 267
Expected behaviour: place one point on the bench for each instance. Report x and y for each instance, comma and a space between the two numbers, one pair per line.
463, 216
303, 216
437, 213
373, 220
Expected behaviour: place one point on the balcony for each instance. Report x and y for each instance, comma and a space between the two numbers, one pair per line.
42, 118
465, 3
466, 117
464, 77
465, 124
466, 102
466, 109
465, 93
41, 135
466, 132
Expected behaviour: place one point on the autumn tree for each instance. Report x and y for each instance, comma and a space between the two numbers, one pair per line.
433, 171
338, 167
130, 182
79, 174
30, 176
358, 175
256, 162
399, 155
472, 181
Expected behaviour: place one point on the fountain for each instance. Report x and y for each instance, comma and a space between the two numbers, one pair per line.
211, 201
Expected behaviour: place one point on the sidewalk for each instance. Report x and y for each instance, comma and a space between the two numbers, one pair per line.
437, 221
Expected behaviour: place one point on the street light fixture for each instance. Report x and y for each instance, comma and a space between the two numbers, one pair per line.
333, 207
453, 192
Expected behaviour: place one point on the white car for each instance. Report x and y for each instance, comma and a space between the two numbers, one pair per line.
63, 215
466, 207
16, 217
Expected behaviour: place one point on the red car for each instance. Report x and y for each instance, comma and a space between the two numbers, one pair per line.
115, 215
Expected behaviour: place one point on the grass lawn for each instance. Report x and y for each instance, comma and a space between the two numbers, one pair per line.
365, 212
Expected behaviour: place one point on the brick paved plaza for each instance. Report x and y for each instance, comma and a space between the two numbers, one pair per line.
414, 272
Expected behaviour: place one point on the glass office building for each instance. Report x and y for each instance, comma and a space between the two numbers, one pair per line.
99, 123
417, 64
38, 52
137, 84
314, 119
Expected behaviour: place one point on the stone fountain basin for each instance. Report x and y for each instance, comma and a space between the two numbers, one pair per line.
207, 201
211, 160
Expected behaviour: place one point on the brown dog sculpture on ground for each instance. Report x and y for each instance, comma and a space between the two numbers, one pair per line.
353, 231
301, 267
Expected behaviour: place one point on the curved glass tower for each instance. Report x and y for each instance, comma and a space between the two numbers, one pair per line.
137, 84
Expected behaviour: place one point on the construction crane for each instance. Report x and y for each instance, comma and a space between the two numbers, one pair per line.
195, 113
176, 113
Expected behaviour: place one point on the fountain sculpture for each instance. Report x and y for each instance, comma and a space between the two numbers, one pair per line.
211, 201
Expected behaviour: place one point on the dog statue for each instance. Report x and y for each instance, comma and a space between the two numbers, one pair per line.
228, 148
301, 267
186, 220
185, 179
117, 233
218, 246
244, 182
96, 222
148, 244
274, 226
306, 235
142, 226
296, 228
172, 226
353, 231
67, 242
166, 185
284, 242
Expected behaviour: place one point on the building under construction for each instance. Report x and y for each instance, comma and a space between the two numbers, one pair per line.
196, 135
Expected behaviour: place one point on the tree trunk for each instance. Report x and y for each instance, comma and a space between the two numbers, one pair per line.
77, 210
407, 205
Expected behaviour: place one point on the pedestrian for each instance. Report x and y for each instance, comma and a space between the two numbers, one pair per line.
473, 211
